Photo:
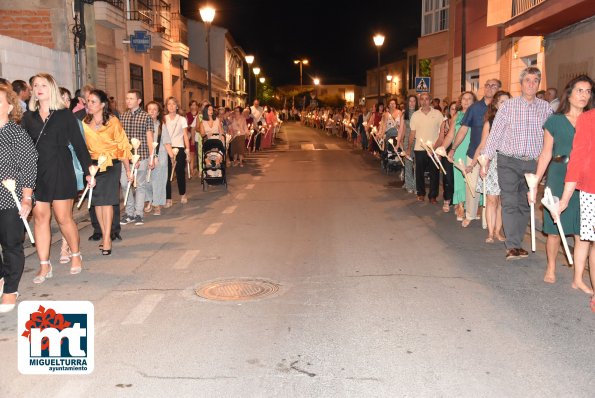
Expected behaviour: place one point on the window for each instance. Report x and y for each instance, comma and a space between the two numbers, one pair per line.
157, 86
342, 93
531, 60
473, 81
412, 71
136, 79
434, 16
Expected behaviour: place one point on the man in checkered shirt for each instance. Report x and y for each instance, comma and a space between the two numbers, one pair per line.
517, 139
137, 124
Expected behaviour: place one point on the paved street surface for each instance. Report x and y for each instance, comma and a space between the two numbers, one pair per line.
379, 296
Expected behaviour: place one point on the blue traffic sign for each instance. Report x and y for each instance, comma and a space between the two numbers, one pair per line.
422, 84
140, 41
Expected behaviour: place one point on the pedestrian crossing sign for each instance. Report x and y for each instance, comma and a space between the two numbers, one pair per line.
422, 84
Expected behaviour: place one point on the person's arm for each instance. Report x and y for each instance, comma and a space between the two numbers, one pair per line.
401, 131
149, 126
27, 168
544, 157
442, 134
73, 132
458, 139
499, 127
485, 133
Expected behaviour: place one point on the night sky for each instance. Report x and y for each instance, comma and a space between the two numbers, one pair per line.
335, 36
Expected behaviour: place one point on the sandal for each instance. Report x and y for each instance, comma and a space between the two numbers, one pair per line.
41, 278
489, 239
76, 270
465, 223
446, 207
65, 256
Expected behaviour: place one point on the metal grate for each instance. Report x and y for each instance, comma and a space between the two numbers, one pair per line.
237, 289
521, 6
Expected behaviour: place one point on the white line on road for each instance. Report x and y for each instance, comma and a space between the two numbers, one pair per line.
143, 309
185, 259
230, 210
307, 147
249, 186
271, 160
213, 228
240, 196
266, 165
333, 147
257, 178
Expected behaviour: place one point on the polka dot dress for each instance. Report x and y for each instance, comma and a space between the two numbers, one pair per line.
587, 216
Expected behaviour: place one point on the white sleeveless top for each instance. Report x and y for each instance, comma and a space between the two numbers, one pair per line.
391, 122
209, 131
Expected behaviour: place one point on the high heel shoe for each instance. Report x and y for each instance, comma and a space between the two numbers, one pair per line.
65, 256
76, 270
9, 307
106, 252
41, 278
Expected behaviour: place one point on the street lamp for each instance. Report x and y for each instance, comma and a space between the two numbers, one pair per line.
301, 62
208, 14
249, 60
256, 71
389, 80
378, 41
316, 81
262, 79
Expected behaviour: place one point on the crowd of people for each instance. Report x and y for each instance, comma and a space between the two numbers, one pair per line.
55, 148
486, 147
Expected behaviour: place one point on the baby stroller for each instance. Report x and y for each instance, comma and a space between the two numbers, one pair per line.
213, 162
391, 160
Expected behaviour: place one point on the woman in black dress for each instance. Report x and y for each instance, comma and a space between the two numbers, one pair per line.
52, 127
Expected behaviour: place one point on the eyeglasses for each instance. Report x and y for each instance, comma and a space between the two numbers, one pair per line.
494, 86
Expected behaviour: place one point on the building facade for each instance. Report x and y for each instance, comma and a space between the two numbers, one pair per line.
393, 82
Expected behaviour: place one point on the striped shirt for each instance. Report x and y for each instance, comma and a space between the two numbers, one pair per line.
517, 130
136, 124
18, 161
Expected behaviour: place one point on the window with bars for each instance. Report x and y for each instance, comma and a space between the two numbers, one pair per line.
157, 86
136, 79
434, 16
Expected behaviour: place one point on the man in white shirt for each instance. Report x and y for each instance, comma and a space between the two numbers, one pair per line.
551, 96
425, 126
256, 111
23, 92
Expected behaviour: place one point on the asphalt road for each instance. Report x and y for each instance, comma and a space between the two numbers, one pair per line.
379, 296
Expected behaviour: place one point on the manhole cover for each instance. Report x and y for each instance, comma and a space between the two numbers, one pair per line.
237, 289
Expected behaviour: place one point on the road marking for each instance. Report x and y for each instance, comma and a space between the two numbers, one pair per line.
186, 258
143, 309
240, 196
257, 178
271, 160
249, 186
266, 165
333, 147
213, 228
307, 147
230, 210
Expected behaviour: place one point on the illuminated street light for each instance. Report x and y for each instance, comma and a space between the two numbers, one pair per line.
256, 71
208, 14
301, 62
316, 81
378, 41
262, 79
249, 61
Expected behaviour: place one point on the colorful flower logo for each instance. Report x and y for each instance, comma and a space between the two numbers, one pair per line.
43, 319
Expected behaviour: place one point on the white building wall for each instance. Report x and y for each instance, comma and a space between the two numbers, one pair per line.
19, 60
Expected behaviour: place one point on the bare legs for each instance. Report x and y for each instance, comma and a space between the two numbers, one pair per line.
42, 213
552, 245
105, 215
582, 249
494, 218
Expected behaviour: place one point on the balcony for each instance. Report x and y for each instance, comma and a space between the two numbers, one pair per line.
521, 6
110, 13
179, 36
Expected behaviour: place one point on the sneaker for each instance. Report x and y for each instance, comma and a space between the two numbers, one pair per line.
126, 219
138, 220
512, 254
523, 253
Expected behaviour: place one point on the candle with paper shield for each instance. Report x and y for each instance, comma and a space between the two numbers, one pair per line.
93, 171
552, 203
11, 185
483, 162
135, 142
461, 166
155, 145
532, 183
188, 163
425, 148
173, 167
135, 159
100, 160
430, 145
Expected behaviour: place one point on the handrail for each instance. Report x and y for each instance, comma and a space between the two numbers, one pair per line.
521, 6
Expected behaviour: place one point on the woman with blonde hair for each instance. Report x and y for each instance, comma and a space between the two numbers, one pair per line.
18, 159
177, 127
52, 127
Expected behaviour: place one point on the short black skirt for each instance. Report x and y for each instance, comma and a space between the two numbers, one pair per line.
107, 186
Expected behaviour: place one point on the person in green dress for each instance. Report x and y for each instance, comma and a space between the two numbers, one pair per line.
557, 145
466, 99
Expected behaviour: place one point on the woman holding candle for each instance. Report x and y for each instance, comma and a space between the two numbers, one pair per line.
156, 191
412, 107
493, 205
466, 99
18, 159
191, 119
177, 126
448, 178
239, 131
52, 127
557, 146
106, 138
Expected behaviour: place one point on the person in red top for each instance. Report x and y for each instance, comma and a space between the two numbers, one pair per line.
581, 175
